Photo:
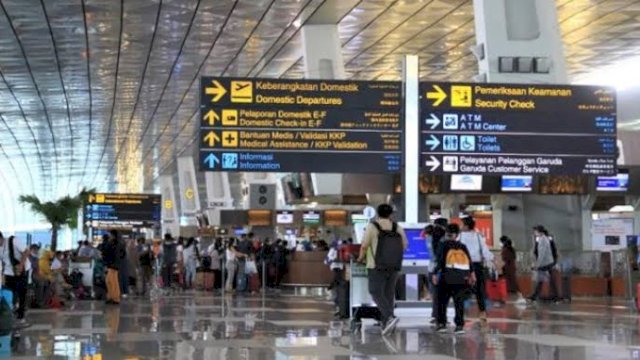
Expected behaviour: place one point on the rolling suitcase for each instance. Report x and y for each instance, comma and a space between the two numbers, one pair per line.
209, 280
497, 290
254, 283
199, 283
6, 312
342, 296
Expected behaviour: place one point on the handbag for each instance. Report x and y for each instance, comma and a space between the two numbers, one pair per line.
250, 267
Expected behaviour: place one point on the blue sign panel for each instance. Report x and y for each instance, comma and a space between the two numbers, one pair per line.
517, 129
272, 125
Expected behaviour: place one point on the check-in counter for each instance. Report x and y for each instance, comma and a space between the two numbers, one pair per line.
589, 286
307, 268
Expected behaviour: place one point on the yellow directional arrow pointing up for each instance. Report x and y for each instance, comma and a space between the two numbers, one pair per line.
438, 95
217, 90
212, 138
211, 117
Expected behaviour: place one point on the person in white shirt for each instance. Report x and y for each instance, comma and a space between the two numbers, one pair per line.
214, 254
190, 262
480, 255
15, 267
232, 254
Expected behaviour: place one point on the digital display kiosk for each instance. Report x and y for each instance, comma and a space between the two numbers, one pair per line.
415, 262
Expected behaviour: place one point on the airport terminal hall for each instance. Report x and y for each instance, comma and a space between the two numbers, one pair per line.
320, 179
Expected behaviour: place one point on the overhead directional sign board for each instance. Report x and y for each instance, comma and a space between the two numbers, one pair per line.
273, 125
117, 208
513, 129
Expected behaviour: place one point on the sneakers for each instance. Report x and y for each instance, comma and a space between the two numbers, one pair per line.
521, 300
433, 321
390, 326
441, 329
459, 330
20, 324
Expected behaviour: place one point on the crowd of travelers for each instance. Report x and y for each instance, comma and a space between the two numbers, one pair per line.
460, 268
123, 266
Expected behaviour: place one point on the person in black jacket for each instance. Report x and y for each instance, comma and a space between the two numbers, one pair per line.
437, 237
111, 258
453, 276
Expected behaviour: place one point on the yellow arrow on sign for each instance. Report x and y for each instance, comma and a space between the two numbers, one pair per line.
438, 95
211, 117
217, 90
212, 138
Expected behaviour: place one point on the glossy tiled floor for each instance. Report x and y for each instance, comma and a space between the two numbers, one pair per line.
285, 326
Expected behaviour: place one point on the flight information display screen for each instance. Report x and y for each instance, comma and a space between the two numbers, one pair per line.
123, 208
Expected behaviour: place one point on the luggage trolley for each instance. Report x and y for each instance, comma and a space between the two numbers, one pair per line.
361, 305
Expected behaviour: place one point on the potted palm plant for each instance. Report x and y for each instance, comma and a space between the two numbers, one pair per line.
58, 213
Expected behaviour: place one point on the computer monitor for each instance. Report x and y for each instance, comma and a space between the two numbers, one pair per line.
417, 253
517, 183
618, 183
466, 182
284, 217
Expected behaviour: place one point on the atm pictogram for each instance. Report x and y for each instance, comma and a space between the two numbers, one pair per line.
229, 117
229, 139
461, 96
242, 92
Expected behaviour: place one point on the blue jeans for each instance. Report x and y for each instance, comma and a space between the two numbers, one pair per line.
189, 274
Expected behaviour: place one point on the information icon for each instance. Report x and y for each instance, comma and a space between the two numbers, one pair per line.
468, 143
229, 161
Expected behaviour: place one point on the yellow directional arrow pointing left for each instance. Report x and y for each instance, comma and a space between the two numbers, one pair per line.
438, 95
217, 90
211, 117
212, 138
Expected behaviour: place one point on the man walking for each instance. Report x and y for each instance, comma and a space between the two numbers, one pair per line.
383, 247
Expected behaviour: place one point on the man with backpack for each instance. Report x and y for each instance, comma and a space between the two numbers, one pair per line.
453, 276
383, 247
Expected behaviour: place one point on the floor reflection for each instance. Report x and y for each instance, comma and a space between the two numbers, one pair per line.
207, 326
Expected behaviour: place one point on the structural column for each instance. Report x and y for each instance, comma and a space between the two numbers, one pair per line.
519, 41
587, 220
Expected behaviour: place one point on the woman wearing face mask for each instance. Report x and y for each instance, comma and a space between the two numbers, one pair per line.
509, 270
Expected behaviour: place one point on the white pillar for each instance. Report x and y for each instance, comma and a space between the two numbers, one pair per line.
635, 202
218, 195
448, 207
497, 208
322, 52
323, 60
410, 184
523, 29
587, 220
170, 219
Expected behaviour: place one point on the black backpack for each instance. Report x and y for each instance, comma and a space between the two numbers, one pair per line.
390, 250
